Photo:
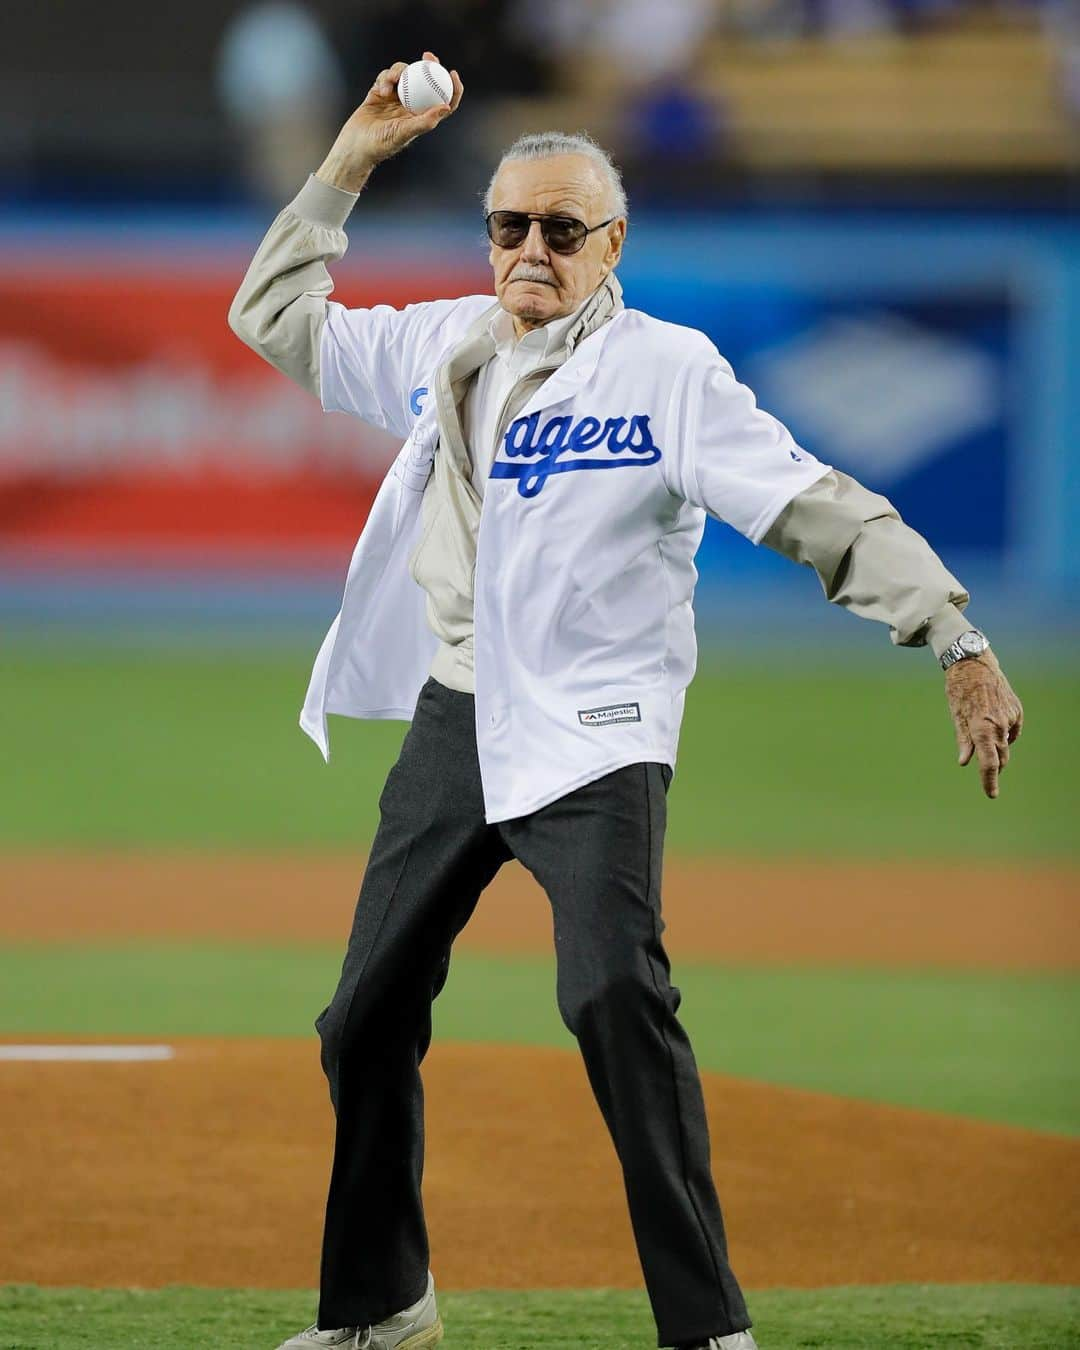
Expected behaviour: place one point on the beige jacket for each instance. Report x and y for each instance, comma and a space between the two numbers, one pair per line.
866, 558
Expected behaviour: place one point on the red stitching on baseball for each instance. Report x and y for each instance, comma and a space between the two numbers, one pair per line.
436, 87
433, 82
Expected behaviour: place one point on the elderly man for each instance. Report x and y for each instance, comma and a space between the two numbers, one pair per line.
526, 600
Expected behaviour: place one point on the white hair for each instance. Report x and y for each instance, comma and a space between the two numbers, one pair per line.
545, 144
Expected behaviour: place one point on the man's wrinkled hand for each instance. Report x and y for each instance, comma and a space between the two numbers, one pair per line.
986, 714
380, 127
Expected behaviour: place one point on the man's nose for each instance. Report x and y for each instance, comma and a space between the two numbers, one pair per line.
534, 249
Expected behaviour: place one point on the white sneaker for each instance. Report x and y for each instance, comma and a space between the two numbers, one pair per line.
417, 1327
738, 1340
304, 1340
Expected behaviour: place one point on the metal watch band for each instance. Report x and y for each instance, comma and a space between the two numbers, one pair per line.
963, 648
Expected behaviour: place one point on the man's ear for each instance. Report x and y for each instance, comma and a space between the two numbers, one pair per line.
616, 235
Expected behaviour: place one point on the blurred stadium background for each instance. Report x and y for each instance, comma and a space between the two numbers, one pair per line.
871, 207
868, 204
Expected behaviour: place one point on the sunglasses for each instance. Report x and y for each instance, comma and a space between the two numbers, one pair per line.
562, 234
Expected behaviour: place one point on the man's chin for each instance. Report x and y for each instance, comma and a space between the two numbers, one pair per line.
531, 304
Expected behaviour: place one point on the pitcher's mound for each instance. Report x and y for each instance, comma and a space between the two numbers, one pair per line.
211, 1169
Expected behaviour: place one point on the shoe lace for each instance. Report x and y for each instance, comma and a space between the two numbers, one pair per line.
316, 1336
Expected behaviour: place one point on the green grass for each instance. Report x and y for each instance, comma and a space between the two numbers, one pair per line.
1003, 1047
176, 747
888, 1317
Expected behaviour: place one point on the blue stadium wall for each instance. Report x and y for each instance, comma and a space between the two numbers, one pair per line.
937, 358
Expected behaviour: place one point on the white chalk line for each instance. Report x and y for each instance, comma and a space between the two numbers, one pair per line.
97, 1054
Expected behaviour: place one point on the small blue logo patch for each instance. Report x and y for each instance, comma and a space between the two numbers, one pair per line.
626, 440
416, 399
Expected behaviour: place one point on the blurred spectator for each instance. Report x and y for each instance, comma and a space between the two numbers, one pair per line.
643, 57
675, 136
654, 42
643, 40
856, 18
281, 84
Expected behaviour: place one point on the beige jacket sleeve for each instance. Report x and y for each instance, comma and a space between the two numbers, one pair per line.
280, 308
870, 562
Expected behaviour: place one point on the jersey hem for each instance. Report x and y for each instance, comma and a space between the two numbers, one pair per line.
590, 776
391, 714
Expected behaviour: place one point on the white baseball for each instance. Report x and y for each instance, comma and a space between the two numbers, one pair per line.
424, 85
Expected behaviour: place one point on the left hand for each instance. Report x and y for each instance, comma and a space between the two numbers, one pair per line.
986, 714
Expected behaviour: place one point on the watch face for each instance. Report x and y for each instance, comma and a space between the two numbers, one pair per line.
972, 643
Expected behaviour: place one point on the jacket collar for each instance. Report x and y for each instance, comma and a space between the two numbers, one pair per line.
584, 343
576, 362
606, 302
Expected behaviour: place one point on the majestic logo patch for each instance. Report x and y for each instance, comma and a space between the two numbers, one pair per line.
612, 712
563, 445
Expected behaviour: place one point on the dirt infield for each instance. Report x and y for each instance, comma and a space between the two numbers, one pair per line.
211, 1169
1006, 917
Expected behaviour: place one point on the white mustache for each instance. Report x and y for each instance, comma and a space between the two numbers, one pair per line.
525, 272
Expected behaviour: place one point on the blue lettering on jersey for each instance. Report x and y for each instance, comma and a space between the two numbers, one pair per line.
416, 399
626, 440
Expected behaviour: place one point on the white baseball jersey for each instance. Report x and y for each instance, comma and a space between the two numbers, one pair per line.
594, 508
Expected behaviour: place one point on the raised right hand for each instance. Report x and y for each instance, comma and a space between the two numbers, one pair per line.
379, 128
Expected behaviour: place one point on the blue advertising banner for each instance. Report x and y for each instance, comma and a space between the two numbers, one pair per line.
933, 360
937, 359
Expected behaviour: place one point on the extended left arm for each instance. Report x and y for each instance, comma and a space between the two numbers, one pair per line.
870, 562
738, 462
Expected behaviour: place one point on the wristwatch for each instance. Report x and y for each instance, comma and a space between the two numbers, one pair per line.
971, 643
